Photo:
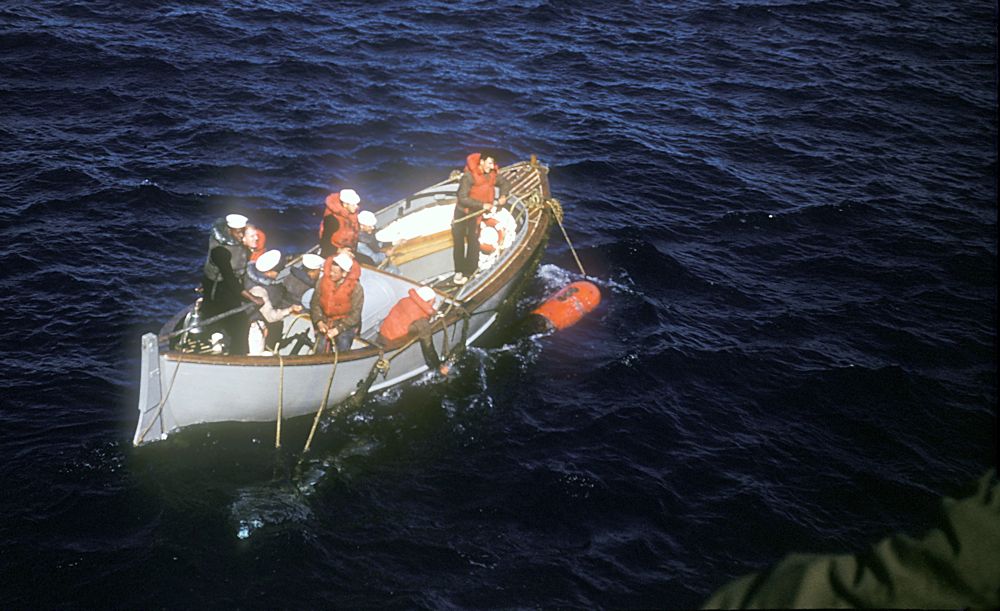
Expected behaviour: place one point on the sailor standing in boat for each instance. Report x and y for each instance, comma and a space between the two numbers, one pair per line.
336, 306
476, 191
222, 281
339, 228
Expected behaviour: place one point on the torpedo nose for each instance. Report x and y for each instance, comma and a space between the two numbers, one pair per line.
569, 304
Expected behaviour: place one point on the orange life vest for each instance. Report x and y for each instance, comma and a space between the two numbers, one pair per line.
333, 298
483, 185
346, 235
407, 310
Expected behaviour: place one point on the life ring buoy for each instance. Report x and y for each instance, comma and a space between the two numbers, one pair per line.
491, 236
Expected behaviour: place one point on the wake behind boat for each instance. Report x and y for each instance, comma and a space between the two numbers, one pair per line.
184, 383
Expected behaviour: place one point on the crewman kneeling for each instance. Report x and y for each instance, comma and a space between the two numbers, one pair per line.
412, 314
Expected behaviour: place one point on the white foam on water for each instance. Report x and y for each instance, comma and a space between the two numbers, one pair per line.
257, 507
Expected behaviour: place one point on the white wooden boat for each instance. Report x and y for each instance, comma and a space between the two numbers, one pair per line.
182, 387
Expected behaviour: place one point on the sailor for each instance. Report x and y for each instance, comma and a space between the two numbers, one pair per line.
411, 315
339, 228
301, 278
222, 281
476, 191
336, 307
370, 250
266, 324
255, 240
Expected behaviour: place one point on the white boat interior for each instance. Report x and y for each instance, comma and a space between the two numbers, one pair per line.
419, 228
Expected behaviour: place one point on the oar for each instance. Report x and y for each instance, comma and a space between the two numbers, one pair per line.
208, 321
478, 212
468, 216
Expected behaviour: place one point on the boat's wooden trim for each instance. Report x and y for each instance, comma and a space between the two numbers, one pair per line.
421, 247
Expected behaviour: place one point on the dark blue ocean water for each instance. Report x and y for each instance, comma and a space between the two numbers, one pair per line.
789, 206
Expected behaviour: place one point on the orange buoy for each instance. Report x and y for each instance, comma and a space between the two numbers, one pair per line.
568, 306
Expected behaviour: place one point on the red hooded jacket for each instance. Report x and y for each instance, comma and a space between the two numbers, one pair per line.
406, 311
482, 185
346, 235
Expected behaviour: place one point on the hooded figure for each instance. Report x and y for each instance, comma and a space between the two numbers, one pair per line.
339, 228
476, 190
412, 314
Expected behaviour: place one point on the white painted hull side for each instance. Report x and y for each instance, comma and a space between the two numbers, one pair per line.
177, 394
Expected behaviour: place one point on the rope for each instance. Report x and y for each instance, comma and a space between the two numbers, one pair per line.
281, 394
444, 336
557, 214
354, 401
163, 401
322, 405
402, 348
467, 217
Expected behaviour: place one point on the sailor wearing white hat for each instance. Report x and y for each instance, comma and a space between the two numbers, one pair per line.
344, 261
427, 294
349, 197
370, 250
411, 316
301, 280
268, 261
236, 221
311, 261
265, 324
339, 229
337, 303
222, 279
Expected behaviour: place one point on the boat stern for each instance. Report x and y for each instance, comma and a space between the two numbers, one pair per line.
150, 426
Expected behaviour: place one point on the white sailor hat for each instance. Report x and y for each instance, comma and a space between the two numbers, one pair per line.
267, 261
349, 196
307, 298
344, 261
236, 221
367, 218
311, 261
426, 293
